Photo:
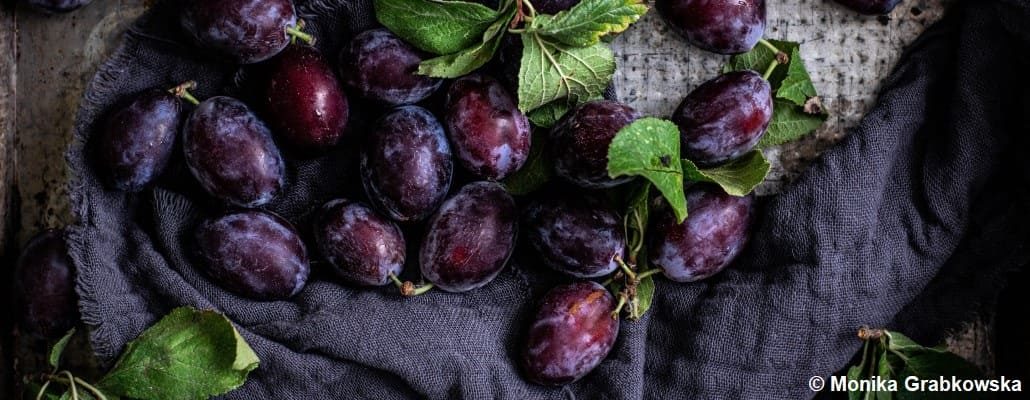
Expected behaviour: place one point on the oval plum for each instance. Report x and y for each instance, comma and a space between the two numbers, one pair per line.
469, 240
711, 237
573, 331
231, 153
720, 26
381, 67
243, 31
45, 286
254, 254
364, 248
138, 139
491, 137
724, 117
303, 100
579, 142
406, 165
580, 236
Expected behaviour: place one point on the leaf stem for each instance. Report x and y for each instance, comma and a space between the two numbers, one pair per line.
769, 44
92, 389
71, 384
769, 71
645, 274
626, 269
618, 308
42, 390
297, 32
182, 91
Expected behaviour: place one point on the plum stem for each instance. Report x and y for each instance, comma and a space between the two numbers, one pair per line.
297, 32
42, 390
645, 274
625, 268
618, 307
780, 58
408, 289
72, 381
183, 91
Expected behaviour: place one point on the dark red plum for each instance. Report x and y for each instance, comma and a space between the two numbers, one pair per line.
720, 26
469, 240
45, 286
554, 6
491, 137
243, 31
138, 139
580, 236
870, 7
724, 117
303, 100
406, 165
712, 236
573, 331
254, 254
231, 153
580, 141
381, 67
364, 247
58, 6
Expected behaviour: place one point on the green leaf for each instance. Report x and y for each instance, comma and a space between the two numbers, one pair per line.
738, 177
636, 220
650, 147
58, 349
932, 364
789, 122
550, 71
885, 370
465, 61
584, 24
436, 26
759, 59
898, 342
796, 86
189, 354
536, 172
549, 114
645, 296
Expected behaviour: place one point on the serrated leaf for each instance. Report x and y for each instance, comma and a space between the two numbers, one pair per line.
650, 147
58, 349
645, 296
436, 26
551, 71
901, 343
188, 354
796, 86
789, 122
465, 61
548, 114
738, 177
759, 59
584, 24
536, 172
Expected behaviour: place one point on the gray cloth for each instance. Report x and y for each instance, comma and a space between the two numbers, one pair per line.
911, 222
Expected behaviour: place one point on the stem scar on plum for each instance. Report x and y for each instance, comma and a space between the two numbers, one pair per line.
182, 91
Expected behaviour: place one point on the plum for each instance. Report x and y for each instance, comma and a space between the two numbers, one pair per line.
381, 67
231, 153
242, 31
469, 240
490, 136
870, 7
720, 26
138, 138
406, 165
58, 6
580, 140
45, 286
712, 236
580, 236
303, 100
364, 248
253, 253
724, 117
573, 331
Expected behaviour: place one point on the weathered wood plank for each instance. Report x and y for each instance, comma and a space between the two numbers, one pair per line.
8, 68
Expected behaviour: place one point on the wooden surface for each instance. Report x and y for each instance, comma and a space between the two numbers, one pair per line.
847, 56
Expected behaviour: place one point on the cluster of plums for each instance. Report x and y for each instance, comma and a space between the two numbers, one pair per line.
407, 169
